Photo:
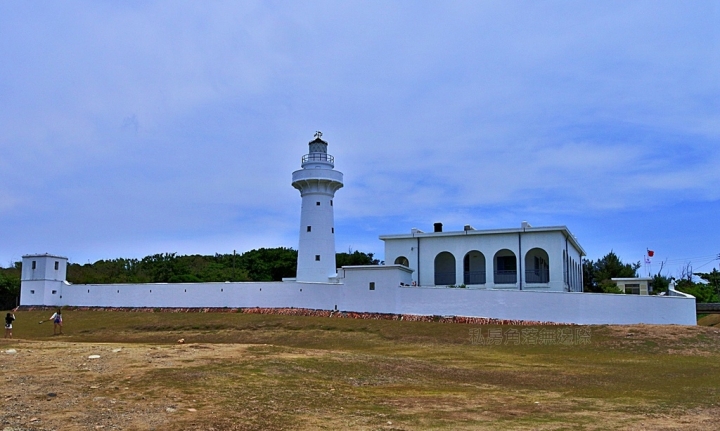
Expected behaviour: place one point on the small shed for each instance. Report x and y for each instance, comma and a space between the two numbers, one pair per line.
634, 285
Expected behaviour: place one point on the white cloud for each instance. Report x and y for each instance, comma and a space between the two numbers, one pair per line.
153, 123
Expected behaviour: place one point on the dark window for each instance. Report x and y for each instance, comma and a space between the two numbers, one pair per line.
309, 228
57, 265
506, 263
317, 257
317, 203
333, 229
444, 269
54, 292
32, 292
372, 285
34, 264
632, 288
331, 202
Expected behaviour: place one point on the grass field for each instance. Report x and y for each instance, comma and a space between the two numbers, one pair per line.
244, 371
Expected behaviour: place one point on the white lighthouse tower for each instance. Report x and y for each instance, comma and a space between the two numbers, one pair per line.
317, 182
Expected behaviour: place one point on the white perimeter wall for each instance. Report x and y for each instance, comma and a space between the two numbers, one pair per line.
261, 294
387, 297
562, 307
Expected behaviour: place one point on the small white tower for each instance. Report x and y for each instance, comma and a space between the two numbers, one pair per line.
317, 182
43, 278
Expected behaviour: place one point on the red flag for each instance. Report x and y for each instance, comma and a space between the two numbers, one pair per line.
650, 253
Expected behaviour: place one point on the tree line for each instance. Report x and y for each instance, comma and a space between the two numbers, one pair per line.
9, 286
264, 264
597, 277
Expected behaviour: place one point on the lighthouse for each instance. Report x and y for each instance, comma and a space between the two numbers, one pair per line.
317, 181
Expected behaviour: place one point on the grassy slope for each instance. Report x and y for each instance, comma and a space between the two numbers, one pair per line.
311, 372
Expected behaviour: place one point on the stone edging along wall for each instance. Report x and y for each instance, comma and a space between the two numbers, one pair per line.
310, 313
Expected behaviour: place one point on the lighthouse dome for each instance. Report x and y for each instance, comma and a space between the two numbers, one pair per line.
318, 146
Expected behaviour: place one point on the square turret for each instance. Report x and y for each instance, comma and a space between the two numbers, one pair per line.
43, 278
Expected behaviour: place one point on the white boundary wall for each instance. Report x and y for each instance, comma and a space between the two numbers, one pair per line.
388, 296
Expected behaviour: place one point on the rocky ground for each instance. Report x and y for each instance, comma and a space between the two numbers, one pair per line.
51, 385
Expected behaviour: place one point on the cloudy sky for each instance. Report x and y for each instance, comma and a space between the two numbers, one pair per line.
134, 128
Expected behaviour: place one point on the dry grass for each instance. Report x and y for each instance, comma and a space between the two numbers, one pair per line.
255, 372
710, 320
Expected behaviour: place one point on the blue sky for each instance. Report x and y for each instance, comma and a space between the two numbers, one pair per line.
134, 128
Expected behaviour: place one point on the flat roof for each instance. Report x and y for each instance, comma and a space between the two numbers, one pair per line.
44, 255
376, 267
563, 229
632, 279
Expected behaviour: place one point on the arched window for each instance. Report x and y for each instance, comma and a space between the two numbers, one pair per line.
505, 266
402, 260
565, 269
578, 288
574, 274
537, 266
474, 268
445, 269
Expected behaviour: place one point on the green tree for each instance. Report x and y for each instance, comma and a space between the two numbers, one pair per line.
712, 279
706, 291
660, 284
9, 289
701, 291
597, 275
355, 258
269, 264
264, 264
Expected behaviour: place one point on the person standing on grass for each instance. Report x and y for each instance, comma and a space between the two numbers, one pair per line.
57, 322
9, 319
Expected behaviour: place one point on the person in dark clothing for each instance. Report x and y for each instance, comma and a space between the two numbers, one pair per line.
9, 319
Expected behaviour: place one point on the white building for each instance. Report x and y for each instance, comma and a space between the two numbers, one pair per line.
43, 275
528, 258
633, 285
530, 273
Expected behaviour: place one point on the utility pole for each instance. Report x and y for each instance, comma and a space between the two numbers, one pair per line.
233, 277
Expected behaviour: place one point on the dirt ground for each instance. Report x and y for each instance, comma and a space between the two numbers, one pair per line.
60, 384
78, 386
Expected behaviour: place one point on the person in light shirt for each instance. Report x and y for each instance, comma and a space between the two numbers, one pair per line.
57, 322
